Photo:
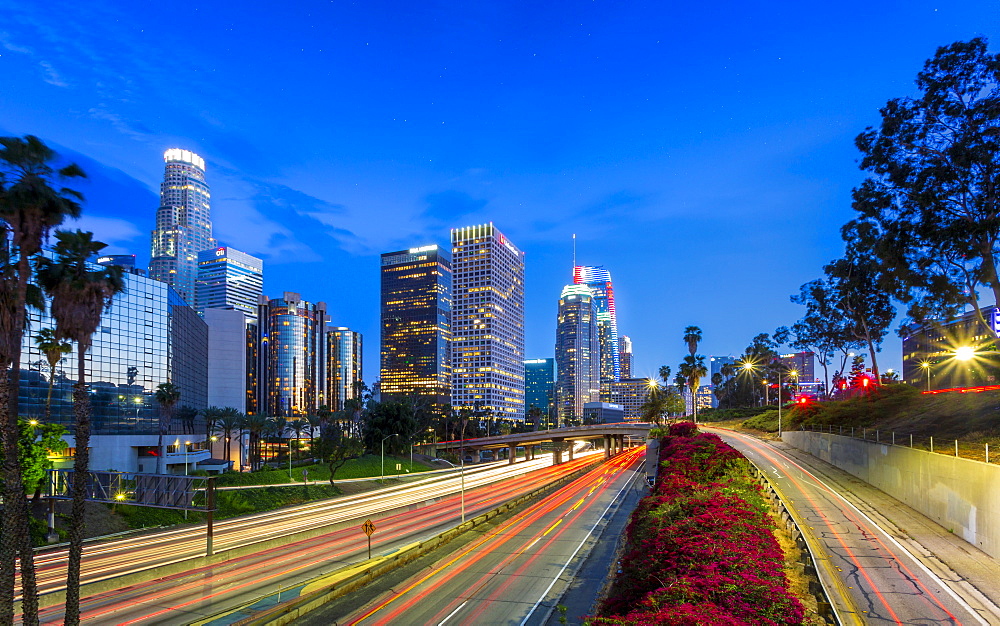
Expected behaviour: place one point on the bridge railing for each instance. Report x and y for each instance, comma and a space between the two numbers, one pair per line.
983, 450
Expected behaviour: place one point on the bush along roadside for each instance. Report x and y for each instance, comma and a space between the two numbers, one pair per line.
700, 548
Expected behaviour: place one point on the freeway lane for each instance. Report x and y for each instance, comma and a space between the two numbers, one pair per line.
207, 590
876, 578
514, 573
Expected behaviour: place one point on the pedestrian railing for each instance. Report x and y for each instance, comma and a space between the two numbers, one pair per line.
981, 451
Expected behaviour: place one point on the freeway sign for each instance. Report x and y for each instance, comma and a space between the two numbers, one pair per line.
369, 528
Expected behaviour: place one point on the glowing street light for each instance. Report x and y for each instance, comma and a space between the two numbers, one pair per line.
383, 454
927, 368
965, 353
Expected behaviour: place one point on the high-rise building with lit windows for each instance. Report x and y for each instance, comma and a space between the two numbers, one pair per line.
229, 279
487, 322
578, 353
625, 356
599, 281
288, 344
343, 366
183, 222
540, 391
416, 324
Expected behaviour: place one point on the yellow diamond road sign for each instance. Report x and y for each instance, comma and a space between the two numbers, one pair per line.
368, 527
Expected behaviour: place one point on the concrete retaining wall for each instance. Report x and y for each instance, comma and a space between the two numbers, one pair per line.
961, 495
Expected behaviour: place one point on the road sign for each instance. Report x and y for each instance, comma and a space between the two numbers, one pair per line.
369, 528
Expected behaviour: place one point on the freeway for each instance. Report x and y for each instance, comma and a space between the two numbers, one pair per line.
875, 572
404, 513
512, 574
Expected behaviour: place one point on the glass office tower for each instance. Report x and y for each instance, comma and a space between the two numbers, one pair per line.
149, 336
416, 324
229, 279
344, 366
578, 353
183, 222
487, 322
540, 389
289, 372
599, 281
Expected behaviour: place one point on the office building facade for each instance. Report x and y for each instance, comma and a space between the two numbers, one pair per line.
578, 353
625, 356
289, 375
936, 343
599, 281
487, 352
183, 223
416, 313
540, 390
344, 366
631, 394
148, 337
229, 279
802, 363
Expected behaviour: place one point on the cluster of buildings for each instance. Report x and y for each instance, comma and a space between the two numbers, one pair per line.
200, 321
452, 333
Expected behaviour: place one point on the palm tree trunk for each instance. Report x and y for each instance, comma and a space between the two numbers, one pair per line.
8, 526
48, 399
81, 466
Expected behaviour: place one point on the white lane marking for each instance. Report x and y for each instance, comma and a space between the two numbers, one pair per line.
961, 602
572, 556
450, 615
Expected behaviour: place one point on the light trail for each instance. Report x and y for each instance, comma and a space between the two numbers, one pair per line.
181, 594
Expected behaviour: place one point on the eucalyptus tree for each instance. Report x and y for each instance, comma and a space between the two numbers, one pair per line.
929, 212
33, 201
79, 296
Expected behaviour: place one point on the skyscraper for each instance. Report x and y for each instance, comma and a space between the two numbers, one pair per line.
540, 389
183, 222
577, 353
487, 322
599, 280
229, 279
625, 356
343, 365
416, 324
289, 373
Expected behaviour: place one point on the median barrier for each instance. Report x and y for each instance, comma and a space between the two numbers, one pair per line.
329, 587
819, 571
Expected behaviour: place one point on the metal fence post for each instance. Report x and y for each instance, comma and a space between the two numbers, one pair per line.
956, 447
932, 444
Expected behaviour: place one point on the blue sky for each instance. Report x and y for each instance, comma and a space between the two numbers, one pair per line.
701, 152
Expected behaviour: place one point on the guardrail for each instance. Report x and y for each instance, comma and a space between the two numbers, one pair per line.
941, 445
824, 607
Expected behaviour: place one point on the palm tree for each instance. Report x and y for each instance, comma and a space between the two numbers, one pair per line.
296, 426
692, 337
32, 203
227, 421
167, 396
53, 351
255, 424
315, 422
691, 371
79, 296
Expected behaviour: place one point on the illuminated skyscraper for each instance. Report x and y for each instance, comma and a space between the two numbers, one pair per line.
229, 279
416, 324
289, 373
343, 365
599, 280
487, 322
183, 223
625, 356
540, 389
577, 353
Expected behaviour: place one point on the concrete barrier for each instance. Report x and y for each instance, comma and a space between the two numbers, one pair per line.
960, 494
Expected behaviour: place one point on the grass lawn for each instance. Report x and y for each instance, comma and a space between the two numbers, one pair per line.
367, 466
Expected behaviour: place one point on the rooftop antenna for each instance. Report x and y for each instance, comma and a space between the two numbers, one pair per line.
574, 252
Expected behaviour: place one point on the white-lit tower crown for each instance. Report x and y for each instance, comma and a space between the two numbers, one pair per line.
183, 222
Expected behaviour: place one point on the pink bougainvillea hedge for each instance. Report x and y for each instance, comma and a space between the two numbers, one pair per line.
700, 549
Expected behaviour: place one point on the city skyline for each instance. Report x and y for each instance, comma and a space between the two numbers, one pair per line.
699, 168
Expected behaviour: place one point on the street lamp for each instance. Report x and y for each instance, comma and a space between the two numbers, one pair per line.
383, 454
187, 446
927, 368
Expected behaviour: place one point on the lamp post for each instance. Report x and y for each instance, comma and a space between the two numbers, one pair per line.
461, 454
383, 454
927, 368
187, 446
